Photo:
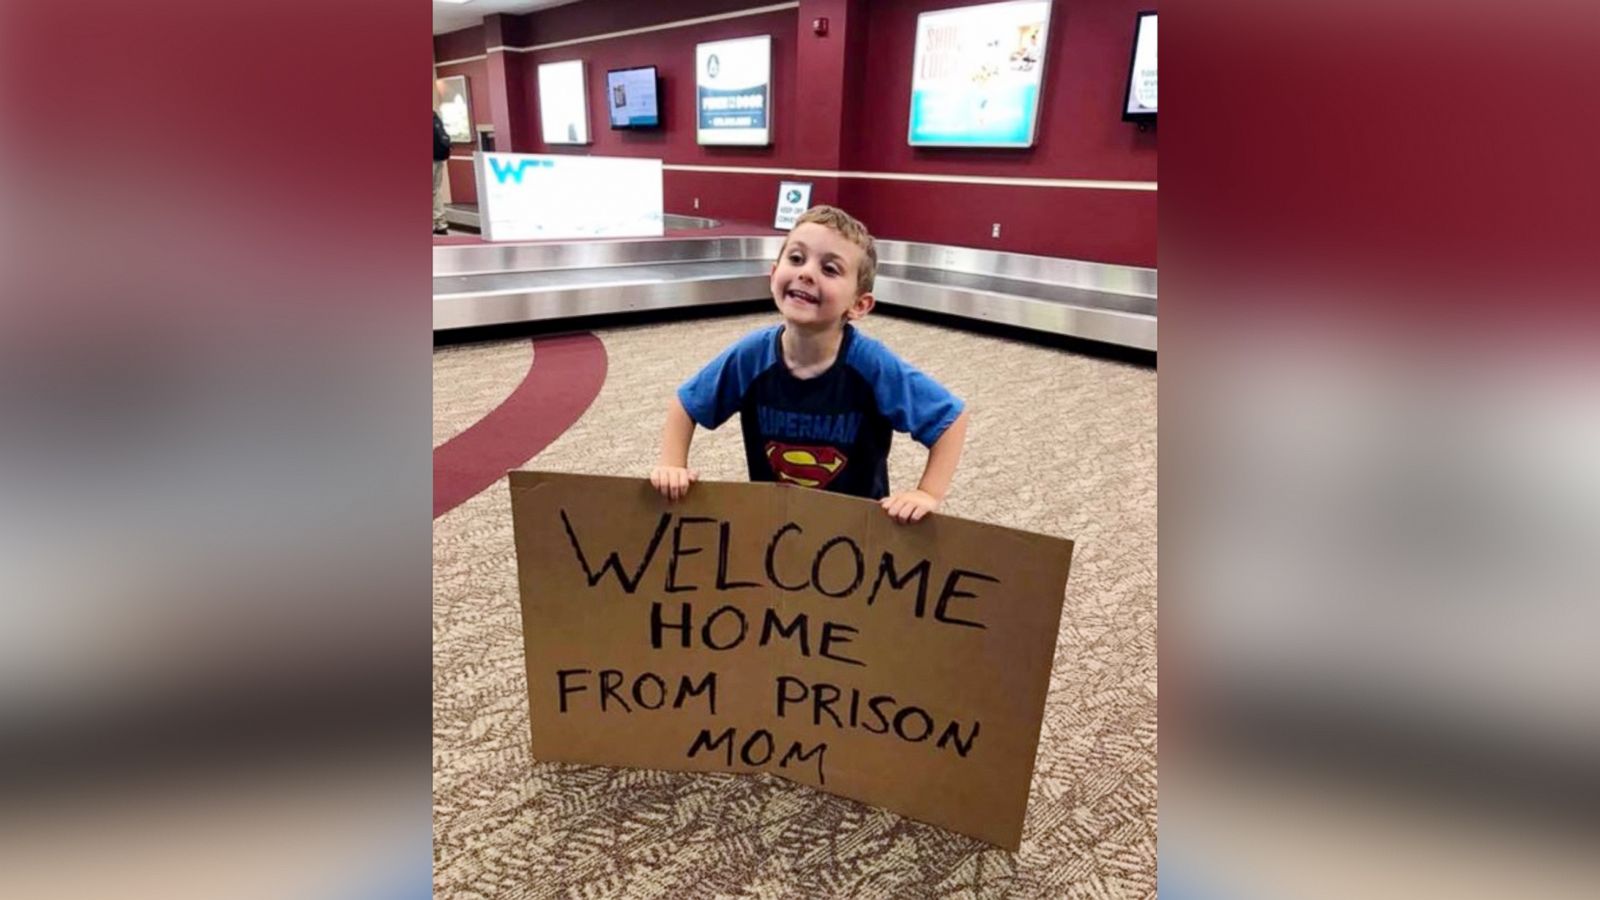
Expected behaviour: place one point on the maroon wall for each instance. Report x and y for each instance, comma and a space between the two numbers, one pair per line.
672, 53
823, 119
458, 44
1080, 135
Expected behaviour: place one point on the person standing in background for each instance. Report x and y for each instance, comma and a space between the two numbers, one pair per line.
441, 152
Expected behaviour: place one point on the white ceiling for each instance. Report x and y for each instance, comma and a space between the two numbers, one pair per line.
456, 16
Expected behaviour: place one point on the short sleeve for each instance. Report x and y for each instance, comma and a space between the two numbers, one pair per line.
911, 401
715, 392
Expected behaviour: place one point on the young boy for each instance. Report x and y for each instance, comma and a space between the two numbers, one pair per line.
818, 400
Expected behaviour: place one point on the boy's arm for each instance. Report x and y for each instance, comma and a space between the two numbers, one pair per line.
911, 506
672, 475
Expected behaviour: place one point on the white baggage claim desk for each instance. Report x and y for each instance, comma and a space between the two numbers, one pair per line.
524, 196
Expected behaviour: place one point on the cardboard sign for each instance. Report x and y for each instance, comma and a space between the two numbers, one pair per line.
764, 627
794, 198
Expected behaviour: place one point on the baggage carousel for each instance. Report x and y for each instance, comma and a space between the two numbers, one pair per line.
502, 283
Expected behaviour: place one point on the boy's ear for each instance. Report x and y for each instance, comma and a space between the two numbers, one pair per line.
863, 305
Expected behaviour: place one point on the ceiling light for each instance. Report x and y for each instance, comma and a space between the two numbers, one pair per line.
457, 2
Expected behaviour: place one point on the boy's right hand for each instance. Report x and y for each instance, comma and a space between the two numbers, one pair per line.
673, 481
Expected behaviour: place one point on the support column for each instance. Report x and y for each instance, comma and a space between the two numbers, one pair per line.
829, 67
508, 104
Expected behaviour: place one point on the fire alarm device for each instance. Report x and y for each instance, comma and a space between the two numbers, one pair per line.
820, 26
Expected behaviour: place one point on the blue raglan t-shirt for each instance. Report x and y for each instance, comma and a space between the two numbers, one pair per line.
830, 432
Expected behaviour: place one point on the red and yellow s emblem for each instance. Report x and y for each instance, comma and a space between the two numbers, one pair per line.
811, 467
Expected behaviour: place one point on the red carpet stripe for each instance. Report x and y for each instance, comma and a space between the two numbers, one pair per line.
563, 380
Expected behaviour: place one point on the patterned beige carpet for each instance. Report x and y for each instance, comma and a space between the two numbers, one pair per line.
1060, 443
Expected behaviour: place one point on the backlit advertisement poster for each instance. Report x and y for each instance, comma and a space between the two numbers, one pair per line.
455, 108
1141, 100
563, 103
733, 91
976, 75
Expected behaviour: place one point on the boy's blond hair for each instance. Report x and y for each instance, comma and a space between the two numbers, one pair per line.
851, 229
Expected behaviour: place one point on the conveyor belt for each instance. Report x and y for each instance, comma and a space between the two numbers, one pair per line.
461, 301
489, 284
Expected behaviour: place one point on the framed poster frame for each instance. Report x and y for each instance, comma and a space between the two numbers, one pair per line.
955, 80
563, 106
455, 108
1128, 114
748, 78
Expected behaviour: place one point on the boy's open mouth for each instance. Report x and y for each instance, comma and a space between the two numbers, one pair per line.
802, 296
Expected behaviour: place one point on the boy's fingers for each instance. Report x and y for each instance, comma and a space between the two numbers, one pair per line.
918, 513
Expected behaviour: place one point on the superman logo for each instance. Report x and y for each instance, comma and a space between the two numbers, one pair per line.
811, 467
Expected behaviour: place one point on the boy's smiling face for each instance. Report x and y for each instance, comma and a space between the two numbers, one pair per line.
814, 281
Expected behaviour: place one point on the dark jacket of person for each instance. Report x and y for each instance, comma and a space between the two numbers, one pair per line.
441, 140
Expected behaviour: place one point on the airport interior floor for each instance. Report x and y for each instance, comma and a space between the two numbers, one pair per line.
1060, 443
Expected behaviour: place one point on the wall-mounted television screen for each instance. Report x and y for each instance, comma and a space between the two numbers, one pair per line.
1139, 104
631, 97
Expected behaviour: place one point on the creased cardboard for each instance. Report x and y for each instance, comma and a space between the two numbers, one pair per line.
761, 627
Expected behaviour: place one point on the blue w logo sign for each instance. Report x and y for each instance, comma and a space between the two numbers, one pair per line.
512, 169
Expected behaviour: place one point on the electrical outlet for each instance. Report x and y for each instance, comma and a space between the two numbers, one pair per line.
996, 231
697, 203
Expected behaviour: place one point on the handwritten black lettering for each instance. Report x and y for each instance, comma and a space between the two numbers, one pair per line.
704, 742
660, 686
723, 584
755, 740
679, 552
784, 683
612, 563
711, 622
707, 686
771, 622
900, 727
918, 571
757, 750
950, 592
824, 695
610, 680
561, 684
795, 754
658, 625
876, 705
816, 567
772, 553
831, 635
952, 734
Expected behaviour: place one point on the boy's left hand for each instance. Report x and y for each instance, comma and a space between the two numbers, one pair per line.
909, 506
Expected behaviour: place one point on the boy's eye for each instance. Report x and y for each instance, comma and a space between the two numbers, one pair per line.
831, 269
796, 258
